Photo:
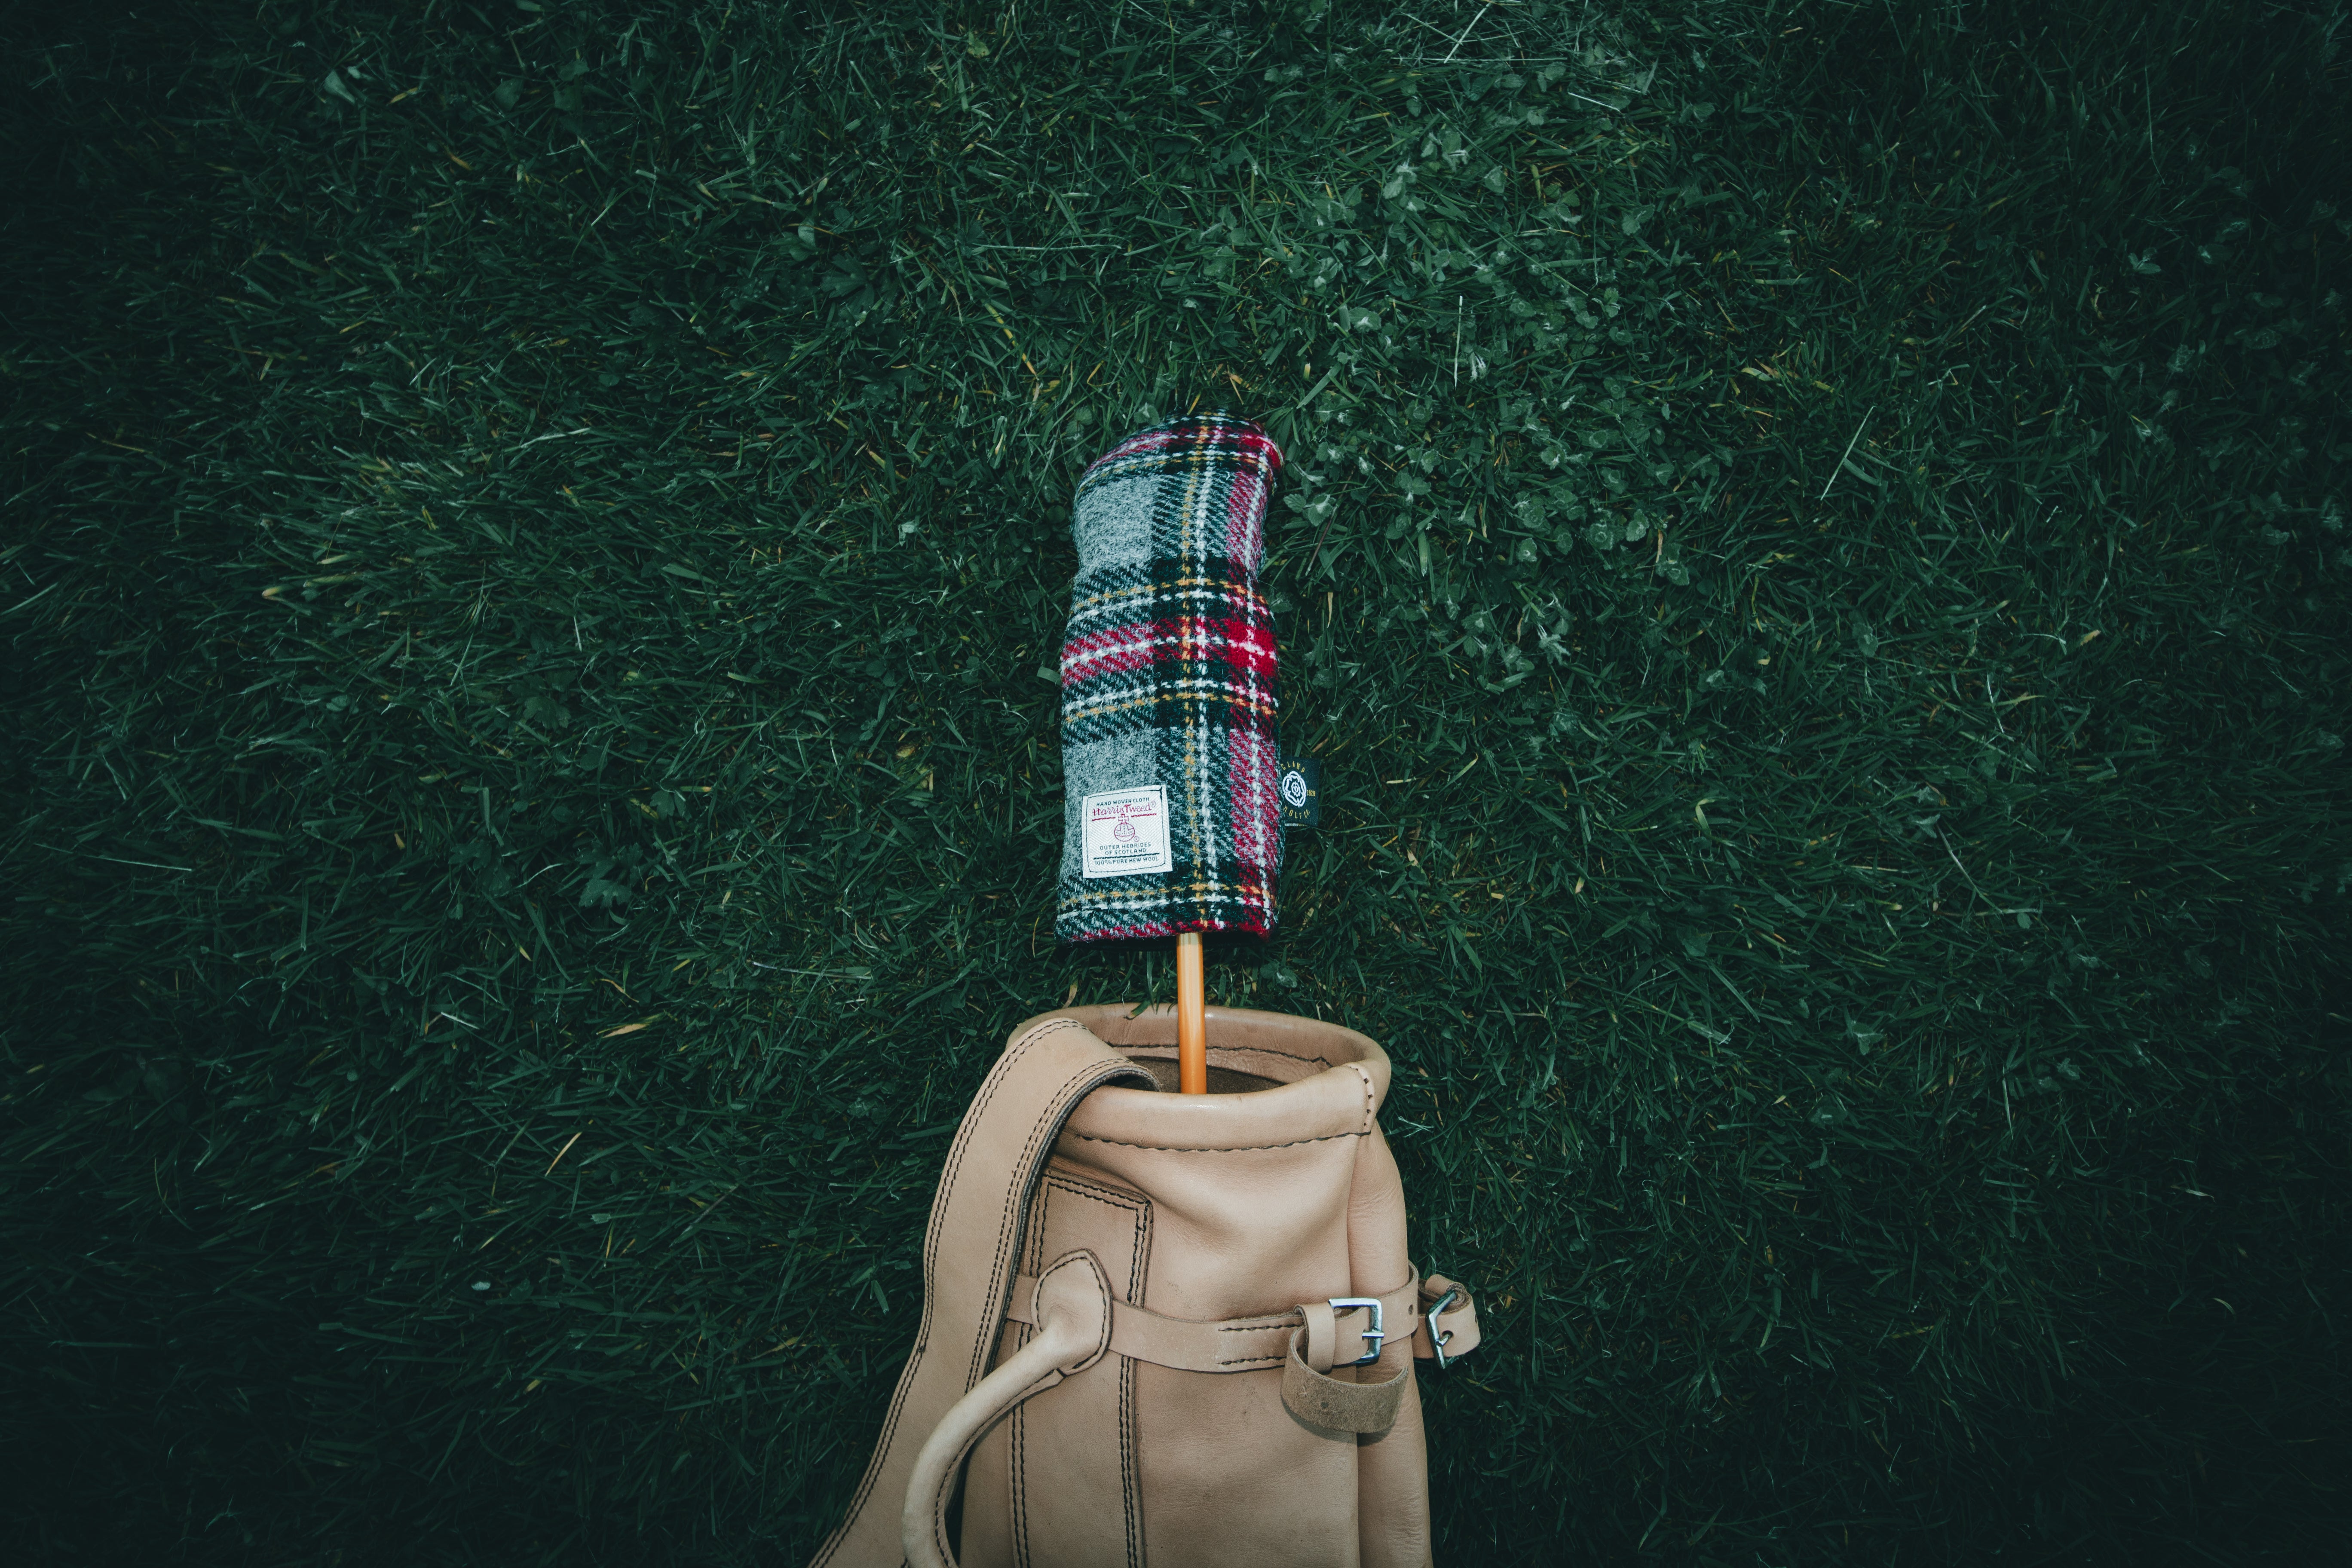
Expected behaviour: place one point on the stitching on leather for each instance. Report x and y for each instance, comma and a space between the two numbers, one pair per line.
1032, 1260
1138, 1208
1007, 1223
1236, 1362
1239, 1148
1032, 1245
971, 1120
1136, 1284
1080, 1261
972, 1117
1130, 1480
1366, 1079
1102, 1339
1057, 1106
1046, 1027
1139, 1265
1110, 1198
883, 1441
1141, 1046
1099, 1191
1018, 1464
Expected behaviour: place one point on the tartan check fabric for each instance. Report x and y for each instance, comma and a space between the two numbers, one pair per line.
1168, 679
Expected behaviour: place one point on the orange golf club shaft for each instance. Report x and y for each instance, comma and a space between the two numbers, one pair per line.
1192, 1018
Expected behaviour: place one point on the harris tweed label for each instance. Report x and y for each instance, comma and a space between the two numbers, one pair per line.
1126, 832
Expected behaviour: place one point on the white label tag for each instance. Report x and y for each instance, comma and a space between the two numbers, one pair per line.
1126, 832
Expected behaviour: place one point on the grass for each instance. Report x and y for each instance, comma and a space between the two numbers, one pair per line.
1814, 560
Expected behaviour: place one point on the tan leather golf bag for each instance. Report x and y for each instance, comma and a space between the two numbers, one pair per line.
1174, 1331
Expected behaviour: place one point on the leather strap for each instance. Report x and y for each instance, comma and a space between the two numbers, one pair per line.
1234, 1344
1321, 1400
1071, 1306
975, 1233
1256, 1344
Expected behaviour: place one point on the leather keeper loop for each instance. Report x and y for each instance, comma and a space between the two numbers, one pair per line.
1322, 1334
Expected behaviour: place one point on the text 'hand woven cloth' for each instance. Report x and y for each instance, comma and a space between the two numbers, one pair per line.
1169, 693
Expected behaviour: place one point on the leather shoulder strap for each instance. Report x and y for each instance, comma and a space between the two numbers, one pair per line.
971, 1254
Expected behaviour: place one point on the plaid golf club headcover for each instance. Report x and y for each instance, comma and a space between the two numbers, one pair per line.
1170, 822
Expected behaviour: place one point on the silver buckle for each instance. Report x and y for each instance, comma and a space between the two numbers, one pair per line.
1373, 1336
1437, 1340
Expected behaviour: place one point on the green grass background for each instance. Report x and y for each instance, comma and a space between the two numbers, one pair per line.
1814, 560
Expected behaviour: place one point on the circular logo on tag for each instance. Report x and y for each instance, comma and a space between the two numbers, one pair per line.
1294, 787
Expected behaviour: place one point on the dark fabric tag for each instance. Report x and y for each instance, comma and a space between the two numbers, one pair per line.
1298, 784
